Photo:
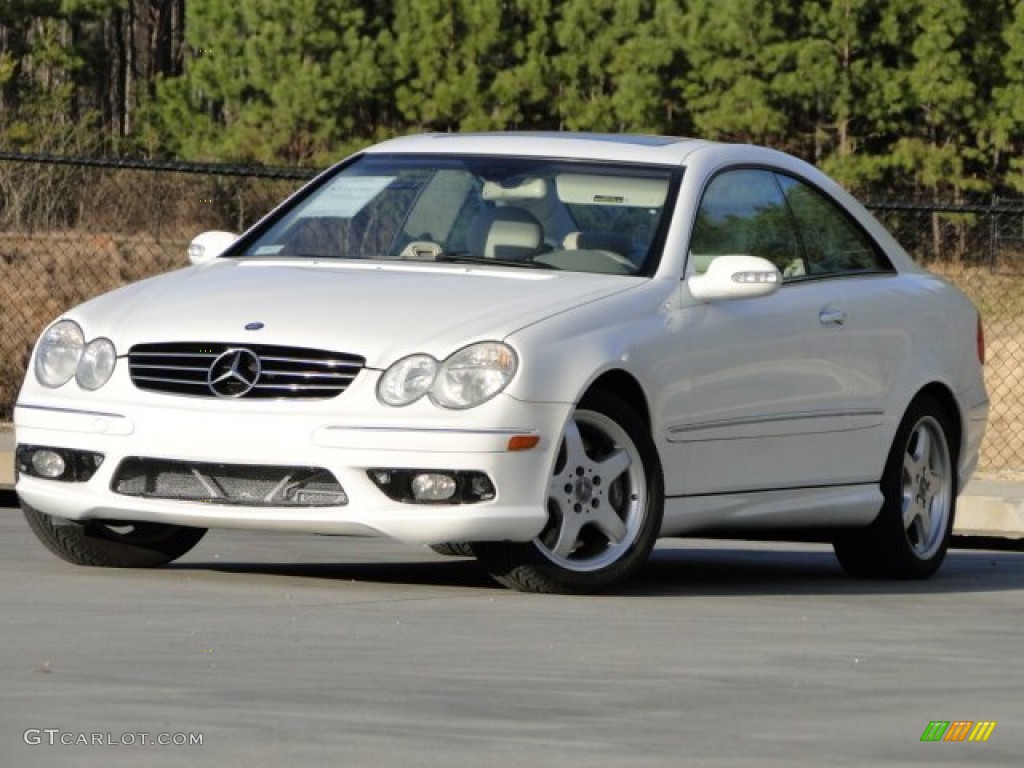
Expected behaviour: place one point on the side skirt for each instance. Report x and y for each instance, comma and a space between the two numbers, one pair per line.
842, 506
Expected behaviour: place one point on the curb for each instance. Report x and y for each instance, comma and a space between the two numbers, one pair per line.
990, 507
6, 456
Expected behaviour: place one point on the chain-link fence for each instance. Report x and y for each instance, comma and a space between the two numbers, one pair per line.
72, 228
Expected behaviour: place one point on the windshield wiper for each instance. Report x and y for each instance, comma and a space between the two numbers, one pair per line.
464, 257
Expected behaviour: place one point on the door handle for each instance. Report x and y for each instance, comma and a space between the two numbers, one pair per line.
833, 317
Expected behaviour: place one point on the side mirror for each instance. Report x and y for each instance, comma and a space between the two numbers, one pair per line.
735, 277
209, 245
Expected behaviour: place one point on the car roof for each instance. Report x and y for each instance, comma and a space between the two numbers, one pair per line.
636, 148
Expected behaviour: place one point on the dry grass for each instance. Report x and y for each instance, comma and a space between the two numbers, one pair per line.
1003, 448
1000, 300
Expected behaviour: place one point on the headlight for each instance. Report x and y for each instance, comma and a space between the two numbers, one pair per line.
407, 380
58, 353
471, 376
96, 364
474, 375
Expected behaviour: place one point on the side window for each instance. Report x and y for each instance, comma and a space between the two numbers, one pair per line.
833, 244
744, 212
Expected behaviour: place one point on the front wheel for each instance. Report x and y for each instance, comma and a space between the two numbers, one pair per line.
910, 536
112, 544
453, 549
604, 498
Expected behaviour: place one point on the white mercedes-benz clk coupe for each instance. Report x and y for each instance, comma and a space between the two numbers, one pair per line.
544, 350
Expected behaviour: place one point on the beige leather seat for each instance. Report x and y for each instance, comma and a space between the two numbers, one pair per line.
508, 233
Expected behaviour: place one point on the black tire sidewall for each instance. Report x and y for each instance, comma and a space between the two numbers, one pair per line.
523, 566
884, 548
91, 544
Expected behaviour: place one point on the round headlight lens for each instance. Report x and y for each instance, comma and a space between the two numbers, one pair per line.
97, 364
474, 375
407, 380
58, 353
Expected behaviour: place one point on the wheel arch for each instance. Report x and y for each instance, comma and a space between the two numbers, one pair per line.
945, 396
624, 386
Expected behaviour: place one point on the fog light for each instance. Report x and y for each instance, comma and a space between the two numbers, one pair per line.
68, 465
433, 487
48, 463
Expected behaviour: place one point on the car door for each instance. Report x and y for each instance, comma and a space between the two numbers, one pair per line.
877, 335
758, 399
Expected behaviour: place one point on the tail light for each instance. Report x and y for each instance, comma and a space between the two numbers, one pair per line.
981, 341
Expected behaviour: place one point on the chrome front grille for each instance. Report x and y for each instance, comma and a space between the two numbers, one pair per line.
241, 370
242, 484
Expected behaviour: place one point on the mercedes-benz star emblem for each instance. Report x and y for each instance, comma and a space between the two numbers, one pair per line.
234, 373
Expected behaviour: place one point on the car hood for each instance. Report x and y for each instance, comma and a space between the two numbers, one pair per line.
377, 310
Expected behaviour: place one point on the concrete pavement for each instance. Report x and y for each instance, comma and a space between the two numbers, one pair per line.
290, 650
989, 507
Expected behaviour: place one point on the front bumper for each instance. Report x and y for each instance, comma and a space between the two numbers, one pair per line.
347, 447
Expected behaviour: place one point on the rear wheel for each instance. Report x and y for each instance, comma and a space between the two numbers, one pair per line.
604, 499
910, 536
112, 544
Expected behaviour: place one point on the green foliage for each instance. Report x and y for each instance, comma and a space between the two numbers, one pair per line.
445, 58
269, 81
39, 75
1007, 113
7, 68
525, 76
906, 96
943, 98
737, 51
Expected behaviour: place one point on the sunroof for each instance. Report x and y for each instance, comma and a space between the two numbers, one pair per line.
616, 138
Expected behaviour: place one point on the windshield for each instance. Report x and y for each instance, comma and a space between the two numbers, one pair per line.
521, 212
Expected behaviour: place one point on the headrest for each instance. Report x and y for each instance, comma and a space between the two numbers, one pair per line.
505, 233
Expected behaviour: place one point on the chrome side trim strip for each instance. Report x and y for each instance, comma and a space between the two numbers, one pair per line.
784, 417
435, 430
51, 409
780, 425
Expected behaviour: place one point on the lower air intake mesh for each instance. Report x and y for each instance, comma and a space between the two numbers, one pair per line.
241, 484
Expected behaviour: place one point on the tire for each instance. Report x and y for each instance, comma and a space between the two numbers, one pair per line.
453, 549
605, 502
910, 536
110, 544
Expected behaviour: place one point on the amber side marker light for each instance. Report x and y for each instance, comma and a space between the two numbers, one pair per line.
523, 442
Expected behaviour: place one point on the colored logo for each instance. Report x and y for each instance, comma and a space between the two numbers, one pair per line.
958, 730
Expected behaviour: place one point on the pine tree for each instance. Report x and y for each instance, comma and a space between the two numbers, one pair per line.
1006, 116
737, 51
271, 81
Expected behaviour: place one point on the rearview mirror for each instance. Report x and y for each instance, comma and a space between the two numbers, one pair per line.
735, 277
209, 245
